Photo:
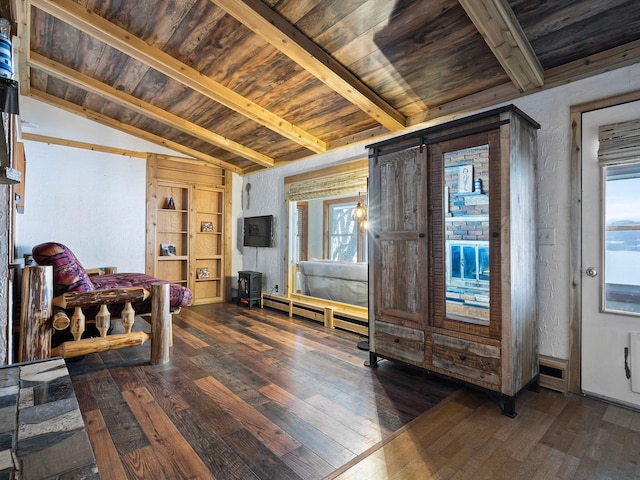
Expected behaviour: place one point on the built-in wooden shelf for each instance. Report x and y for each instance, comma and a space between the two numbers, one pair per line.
198, 227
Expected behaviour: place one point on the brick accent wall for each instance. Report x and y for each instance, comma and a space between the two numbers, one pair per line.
473, 204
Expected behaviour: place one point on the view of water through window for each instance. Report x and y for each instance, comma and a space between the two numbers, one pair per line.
622, 239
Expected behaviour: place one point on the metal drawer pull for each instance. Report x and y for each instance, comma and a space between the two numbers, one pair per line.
463, 357
396, 340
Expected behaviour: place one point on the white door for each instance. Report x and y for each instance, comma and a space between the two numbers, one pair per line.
610, 267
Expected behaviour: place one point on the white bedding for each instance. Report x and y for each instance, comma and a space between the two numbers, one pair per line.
337, 281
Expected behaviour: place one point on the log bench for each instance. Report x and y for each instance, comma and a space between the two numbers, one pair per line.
42, 314
59, 296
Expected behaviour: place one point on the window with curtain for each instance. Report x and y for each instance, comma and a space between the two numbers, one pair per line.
301, 232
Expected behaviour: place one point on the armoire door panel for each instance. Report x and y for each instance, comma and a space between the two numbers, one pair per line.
399, 280
401, 177
466, 225
400, 243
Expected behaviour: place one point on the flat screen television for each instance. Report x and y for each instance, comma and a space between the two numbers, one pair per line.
258, 231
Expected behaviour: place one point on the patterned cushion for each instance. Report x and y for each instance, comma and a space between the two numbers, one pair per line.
179, 296
68, 273
70, 276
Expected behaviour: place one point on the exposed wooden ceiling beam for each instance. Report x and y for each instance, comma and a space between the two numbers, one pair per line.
137, 132
273, 28
92, 24
94, 147
129, 101
83, 145
363, 136
618, 57
23, 22
499, 26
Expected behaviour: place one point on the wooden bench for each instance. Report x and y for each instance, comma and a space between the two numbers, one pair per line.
41, 314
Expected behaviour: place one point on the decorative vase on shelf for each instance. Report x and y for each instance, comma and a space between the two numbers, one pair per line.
170, 204
477, 185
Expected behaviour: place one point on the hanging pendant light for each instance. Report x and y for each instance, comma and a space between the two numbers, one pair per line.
360, 215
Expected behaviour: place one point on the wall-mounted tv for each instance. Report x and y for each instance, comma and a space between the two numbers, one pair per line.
258, 231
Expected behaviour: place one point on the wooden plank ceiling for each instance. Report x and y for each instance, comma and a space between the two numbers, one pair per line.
251, 84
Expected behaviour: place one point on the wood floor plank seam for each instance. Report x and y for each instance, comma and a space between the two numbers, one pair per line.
317, 419
103, 447
157, 426
272, 436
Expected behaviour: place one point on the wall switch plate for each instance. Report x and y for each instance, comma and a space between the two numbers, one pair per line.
546, 236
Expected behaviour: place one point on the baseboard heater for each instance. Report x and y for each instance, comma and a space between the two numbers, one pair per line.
329, 315
554, 373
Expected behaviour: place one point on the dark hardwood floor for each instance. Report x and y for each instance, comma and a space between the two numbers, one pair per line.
253, 394
248, 394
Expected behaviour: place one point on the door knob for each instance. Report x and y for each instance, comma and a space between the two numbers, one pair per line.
591, 271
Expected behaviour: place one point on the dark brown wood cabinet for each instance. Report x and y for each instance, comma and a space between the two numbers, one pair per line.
452, 222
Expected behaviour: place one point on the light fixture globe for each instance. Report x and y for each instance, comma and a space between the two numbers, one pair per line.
359, 213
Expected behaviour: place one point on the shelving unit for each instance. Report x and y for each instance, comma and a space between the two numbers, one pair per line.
172, 229
208, 244
197, 224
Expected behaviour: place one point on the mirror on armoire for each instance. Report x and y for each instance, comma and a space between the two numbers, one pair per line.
466, 233
327, 254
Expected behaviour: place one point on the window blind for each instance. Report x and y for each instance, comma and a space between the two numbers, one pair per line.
619, 143
329, 186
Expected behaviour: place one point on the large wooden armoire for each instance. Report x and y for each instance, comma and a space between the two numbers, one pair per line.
452, 251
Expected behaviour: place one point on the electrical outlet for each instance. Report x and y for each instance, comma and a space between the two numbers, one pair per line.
276, 288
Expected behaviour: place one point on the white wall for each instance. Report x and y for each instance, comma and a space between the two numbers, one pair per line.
91, 201
550, 109
95, 205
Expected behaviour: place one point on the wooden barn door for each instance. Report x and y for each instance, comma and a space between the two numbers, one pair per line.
399, 237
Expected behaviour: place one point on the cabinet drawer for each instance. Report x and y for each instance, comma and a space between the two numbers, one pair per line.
401, 343
475, 361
